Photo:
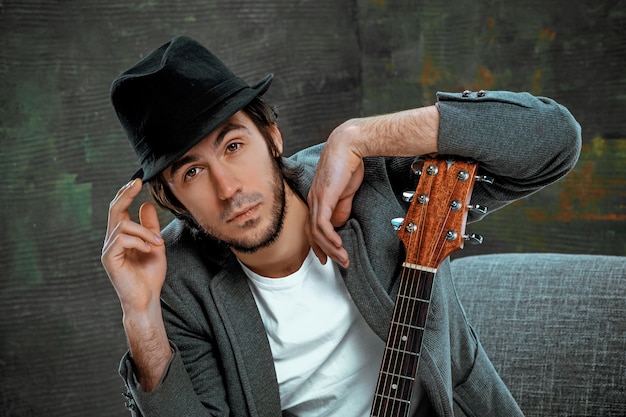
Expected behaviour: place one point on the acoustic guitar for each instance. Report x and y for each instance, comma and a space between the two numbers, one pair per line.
432, 229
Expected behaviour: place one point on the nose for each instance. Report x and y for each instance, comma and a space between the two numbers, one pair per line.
226, 182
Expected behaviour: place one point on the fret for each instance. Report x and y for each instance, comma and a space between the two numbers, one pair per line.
402, 351
419, 282
399, 400
394, 396
405, 377
400, 365
405, 341
392, 356
385, 407
415, 317
411, 298
395, 388
409, 326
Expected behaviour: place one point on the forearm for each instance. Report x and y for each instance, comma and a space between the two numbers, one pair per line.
148, 344
405, 133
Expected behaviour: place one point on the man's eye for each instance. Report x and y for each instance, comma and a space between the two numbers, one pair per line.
233, 146
192, 172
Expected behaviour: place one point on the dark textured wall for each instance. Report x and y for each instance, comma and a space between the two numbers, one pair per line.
571, 51
64, 155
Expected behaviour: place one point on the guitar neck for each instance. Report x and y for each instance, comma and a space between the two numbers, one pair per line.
402, 350
432, 230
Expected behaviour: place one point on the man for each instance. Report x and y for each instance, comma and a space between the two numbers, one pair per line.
272, 291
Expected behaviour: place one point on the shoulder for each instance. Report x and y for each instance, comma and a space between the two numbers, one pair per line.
188, 253
308, 156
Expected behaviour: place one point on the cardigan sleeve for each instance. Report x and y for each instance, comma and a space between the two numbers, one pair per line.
174, 395
522, 141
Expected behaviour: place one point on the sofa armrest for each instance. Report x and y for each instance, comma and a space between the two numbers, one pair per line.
554, 326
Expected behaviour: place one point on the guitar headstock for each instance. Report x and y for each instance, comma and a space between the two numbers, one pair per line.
434, 225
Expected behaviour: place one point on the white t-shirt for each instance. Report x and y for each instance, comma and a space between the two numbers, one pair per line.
326, 357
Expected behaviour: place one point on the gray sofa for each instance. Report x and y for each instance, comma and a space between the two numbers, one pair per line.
554, 326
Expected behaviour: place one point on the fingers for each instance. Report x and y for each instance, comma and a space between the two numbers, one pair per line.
330, 205
123, 234
129, 235
149, 219
324, 240
120, 244
118, 209
321, 255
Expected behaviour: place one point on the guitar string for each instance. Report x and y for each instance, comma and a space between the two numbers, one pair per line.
413, 282
408, 275
438, 251
415, 306
384, 377
415, 238
390, 364
406, 281
405, 310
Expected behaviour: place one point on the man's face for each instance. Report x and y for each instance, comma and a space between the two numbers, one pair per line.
232, 186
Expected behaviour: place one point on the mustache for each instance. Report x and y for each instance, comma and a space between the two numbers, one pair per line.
238, 201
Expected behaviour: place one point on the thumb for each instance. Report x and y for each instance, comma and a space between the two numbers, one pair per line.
149, 219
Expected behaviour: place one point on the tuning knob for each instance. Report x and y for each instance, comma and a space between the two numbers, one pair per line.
484, 178
474, 239
417, 166
408, 196
477, 208
397, 223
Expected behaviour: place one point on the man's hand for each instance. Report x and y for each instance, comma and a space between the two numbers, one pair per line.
133, 256
338, 176
340, 169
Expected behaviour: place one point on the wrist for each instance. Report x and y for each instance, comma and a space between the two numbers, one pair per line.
145, 305
142, 318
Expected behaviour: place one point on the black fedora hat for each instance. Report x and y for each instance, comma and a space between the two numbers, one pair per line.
173, 98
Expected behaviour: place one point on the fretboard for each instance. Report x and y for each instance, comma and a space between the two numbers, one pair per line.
402, 351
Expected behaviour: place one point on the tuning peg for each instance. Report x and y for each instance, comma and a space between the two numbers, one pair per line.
397, 223
484, 178
477, 208
474, 239
417, 165
408, 196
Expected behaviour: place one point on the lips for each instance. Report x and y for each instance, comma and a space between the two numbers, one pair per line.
243, 214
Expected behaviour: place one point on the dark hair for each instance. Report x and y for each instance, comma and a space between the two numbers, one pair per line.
263, 116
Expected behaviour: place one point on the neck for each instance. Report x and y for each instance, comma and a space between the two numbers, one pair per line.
285, 255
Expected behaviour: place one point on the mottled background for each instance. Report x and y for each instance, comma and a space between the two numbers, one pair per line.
64, 155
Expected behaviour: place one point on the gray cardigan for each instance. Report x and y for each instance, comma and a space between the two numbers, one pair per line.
222, 364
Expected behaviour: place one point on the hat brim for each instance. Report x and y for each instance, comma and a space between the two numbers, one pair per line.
200, 130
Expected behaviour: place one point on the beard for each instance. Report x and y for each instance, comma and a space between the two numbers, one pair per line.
254, 240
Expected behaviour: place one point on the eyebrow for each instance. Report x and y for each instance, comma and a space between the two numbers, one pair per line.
176, 166
187, 159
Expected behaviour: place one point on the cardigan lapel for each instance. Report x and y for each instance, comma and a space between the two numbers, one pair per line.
246, 333
367, 292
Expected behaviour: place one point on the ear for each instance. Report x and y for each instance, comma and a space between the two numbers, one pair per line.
277, 138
